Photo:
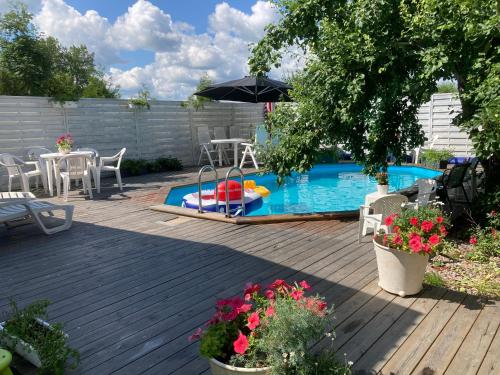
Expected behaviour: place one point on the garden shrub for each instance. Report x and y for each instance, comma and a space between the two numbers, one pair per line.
486, 241
137, 167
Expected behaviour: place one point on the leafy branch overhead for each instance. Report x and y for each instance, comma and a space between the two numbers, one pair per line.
198, 102
370, 65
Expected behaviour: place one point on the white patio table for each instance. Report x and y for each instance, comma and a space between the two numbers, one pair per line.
235, 142
51, 159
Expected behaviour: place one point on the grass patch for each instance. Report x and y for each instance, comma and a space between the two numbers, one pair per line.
433, 278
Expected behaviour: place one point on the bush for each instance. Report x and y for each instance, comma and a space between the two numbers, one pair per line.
432, 157
137, 167
486, 241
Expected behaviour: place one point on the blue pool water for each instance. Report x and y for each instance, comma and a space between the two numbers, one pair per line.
325, 188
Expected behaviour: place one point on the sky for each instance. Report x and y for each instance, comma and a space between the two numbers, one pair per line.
166, 45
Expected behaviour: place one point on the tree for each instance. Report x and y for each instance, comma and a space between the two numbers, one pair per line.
371, 64
33, 64
198, 102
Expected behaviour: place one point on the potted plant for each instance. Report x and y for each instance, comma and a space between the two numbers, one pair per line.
437, 158
269, 331
402, 254
382, 183
64, 143
42, 344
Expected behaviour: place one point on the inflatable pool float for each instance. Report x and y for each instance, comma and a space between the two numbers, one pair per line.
209, 203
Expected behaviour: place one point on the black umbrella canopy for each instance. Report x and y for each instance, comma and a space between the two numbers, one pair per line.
248, 89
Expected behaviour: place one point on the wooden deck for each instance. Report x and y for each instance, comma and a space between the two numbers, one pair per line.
131, 284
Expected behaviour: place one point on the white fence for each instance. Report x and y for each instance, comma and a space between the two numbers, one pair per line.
109, 124
436, 119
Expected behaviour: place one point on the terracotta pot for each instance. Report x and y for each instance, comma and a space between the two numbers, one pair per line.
383, 189
400, 272
219, 368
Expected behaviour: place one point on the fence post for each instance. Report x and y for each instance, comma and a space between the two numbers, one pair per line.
192, 130
137, 135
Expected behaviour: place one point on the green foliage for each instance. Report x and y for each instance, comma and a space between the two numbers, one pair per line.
484, 205
329, 155
447, 87
486, 241
371, 64
432, 157
215, 340
382, 178
198, 102
51, 344
433, 278
137, 167
142, 99
33, 64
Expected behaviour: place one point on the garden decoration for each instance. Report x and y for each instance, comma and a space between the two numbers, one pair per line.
64, 143
382, 182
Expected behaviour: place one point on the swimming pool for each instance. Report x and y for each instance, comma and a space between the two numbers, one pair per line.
325, 188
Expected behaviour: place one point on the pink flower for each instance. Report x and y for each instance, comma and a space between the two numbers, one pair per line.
253, 321
427, 226
395, 228
439, 220
434, 239
196, 335
250, 289
241, 344
279, 284
443, 231
389, 220
269, 294
414, 221
397, 240
297, 294
270, 311
415, 244
384, 241
427, 248
304, 284
473, 240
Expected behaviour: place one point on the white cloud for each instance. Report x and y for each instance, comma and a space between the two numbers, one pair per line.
181, 56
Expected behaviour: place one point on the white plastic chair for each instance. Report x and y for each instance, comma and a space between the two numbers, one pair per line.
206, 147
15, 169
380, 209
33, 156
76, 167
427, 188
95, 162
261, 137
220, 133
22, 207
101, 166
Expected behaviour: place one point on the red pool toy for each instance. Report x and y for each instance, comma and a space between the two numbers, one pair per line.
234, 190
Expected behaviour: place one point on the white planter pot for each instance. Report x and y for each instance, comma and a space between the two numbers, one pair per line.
24, 349
219, 368
400, 272
383, 189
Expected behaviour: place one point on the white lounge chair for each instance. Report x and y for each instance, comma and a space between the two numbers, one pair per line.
380, 209
427, 188
105, 164
15, 169
73, 167
251, 149
19, 208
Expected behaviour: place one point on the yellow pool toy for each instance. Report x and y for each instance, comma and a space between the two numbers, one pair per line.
250, 184
262, 191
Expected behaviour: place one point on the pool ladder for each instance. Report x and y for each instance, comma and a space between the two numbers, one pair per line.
207, 168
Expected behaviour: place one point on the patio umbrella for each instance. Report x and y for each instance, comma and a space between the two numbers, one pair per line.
248, 89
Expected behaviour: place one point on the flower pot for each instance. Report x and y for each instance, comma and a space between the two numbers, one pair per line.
24, 349
383, 189
64, 151
400, 272
219, 368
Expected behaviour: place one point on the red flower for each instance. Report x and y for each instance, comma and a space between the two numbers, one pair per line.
279, 283
250, 289
427, 226
395, 228
269, 294
241, 344
439, 219
427, 248
297, 294
414, 221
304, 284
473, 240
384, 241
389, 220
434, 239
415, 243
229, 309
397, 240
196, 335
321, 305
443, 231
253, 321
270, 311
244, 308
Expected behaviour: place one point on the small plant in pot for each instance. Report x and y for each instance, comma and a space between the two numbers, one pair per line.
382, 182
43, 344
270, 331
64, 143
403, 253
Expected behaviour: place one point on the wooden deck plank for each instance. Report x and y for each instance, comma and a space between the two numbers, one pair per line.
473, 349
491, 361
